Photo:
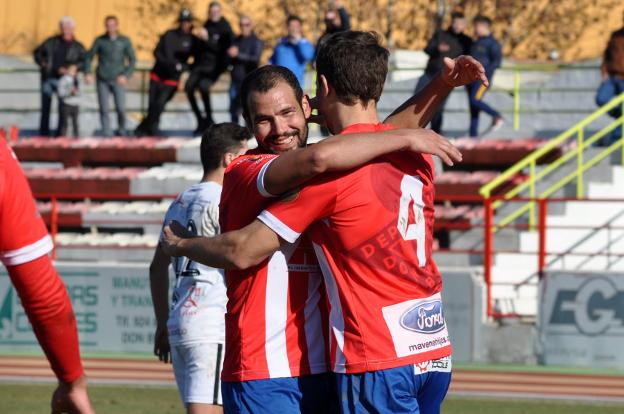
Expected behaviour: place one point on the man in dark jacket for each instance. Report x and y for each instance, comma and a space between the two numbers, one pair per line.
245, 54
450, 43
172, 54
116, 63
488, 52
209, 62
52, 57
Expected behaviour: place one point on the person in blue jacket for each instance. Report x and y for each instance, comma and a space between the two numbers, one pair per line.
293, 51
487, 50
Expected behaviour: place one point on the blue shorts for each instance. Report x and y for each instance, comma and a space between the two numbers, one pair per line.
414, 389
309, 394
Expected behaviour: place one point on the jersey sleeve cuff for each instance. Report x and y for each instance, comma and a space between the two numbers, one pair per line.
279, 227
260, 180
28, 253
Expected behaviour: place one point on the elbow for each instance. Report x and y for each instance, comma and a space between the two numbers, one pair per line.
241, 257
241, 262
319, 160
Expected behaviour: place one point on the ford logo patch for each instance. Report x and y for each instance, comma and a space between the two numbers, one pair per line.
425, 318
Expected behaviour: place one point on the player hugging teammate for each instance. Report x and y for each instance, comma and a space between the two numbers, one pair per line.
383, 308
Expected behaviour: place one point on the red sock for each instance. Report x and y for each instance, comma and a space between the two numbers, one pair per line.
49, 310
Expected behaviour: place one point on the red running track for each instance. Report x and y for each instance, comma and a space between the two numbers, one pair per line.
471, 382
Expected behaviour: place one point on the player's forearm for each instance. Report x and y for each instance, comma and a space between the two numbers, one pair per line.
49, 310
238, 249
346, 152
219, 252
418, 110
159, 286
337, 153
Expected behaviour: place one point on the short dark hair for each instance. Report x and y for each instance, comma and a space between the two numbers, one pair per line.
457, 15
213, 4
263, 80
111, 17
482, 19
293, 18
355, 64
220, 139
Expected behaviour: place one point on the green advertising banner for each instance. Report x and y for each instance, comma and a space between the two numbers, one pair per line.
112, 303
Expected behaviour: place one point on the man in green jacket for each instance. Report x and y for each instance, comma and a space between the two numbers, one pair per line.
116, 62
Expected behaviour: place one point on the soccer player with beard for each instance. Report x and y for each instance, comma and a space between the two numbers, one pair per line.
271, 364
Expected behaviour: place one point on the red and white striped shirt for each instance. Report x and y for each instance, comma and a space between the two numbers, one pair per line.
372, 230
23, 234
276, 320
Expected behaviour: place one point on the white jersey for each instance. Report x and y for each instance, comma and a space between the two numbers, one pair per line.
198, 306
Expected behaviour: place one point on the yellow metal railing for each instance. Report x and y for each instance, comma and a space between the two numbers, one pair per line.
577, 151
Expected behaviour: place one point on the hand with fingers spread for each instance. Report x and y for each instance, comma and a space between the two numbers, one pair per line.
428, 142
162, 349
72, 398
463, 70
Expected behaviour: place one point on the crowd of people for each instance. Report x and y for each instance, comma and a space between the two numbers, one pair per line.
205, 53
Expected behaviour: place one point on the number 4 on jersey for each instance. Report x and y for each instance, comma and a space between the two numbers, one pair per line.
411, 223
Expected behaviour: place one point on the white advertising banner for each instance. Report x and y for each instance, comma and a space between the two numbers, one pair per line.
582, 319
112, 303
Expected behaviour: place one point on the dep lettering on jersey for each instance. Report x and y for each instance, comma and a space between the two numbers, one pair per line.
23, 234
372, 230
199, 297
276, 311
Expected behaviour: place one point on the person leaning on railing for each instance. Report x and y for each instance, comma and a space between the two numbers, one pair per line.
116, 61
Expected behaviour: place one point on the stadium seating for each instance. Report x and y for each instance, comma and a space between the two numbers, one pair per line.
103, 169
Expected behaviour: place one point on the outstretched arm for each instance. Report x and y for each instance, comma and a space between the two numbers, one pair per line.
237, 249
340, 153
418, 110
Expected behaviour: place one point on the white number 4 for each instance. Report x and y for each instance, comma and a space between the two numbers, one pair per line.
411, 194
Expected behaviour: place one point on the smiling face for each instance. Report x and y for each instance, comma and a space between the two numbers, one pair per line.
278, 119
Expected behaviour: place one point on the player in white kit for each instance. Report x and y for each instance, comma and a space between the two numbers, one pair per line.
191, 332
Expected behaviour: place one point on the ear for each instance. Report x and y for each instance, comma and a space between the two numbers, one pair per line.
228, 158
323, 86
305, 104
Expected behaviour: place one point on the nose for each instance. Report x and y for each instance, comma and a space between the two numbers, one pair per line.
279, 126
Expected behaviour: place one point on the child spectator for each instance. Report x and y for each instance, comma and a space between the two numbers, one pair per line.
69, 94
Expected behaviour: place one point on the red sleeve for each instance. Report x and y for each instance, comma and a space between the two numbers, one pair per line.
243, 184
23, 235
293, 214
50, 313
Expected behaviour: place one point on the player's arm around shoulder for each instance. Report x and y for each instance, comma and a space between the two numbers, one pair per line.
342, 153
239, 249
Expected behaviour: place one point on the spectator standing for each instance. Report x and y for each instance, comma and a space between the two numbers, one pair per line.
613, 81
172, 54
293, 51
450, 43
209, 62
488, 52
245, 53
52, 57
116, 61
337, 18
69, 95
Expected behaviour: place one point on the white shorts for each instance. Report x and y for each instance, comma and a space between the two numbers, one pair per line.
197, 370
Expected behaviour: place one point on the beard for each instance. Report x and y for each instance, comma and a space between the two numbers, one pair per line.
291, 140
